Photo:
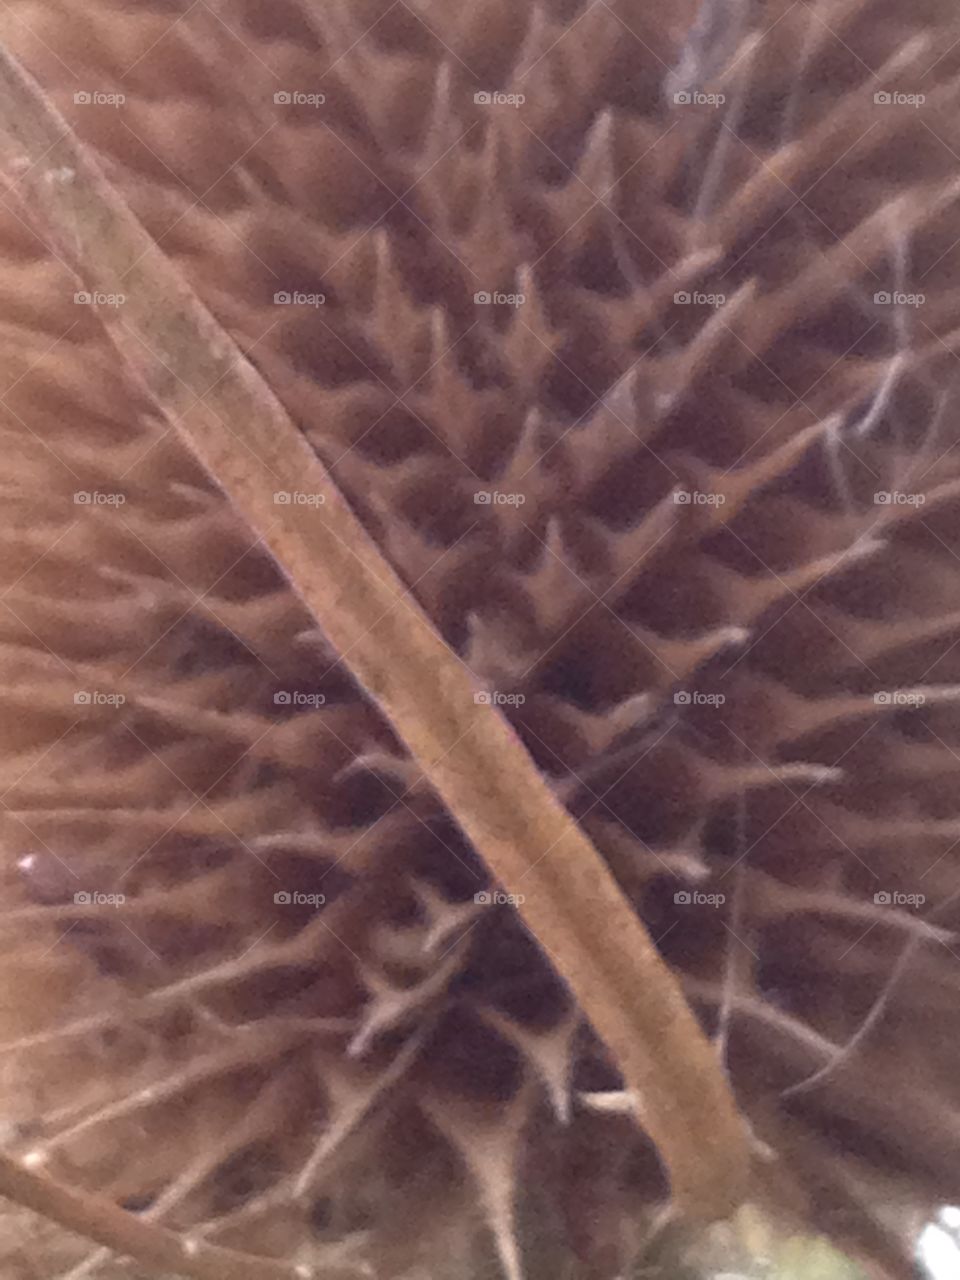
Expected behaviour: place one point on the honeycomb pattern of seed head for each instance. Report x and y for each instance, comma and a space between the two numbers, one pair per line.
630, 331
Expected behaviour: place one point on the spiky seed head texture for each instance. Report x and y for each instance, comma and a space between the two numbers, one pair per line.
630, 330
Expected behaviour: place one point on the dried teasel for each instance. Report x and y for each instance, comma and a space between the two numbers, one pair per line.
628, 332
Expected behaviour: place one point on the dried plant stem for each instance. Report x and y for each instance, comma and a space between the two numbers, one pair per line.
126, 1234
250, 447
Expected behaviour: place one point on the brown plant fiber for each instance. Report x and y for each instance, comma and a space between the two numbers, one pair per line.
689, 512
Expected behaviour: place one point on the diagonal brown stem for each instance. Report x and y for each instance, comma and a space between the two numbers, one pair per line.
242, 435
126, 1234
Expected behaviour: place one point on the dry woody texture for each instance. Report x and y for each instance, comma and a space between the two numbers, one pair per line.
629, 333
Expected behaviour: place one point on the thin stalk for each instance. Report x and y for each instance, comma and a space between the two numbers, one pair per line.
241, 434
127, 1234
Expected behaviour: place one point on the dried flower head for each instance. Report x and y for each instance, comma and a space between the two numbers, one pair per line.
629, 331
